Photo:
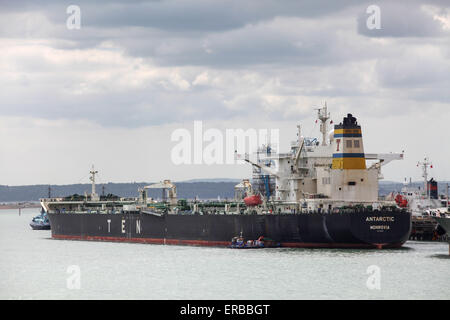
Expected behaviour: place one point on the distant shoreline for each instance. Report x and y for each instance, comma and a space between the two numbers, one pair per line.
12, 197
9, 206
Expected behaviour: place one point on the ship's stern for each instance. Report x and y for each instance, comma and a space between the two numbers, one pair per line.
382, 229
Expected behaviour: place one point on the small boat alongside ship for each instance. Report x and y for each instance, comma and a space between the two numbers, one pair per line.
260, 243
318, 195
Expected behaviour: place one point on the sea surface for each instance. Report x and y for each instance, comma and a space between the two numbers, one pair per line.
34, 266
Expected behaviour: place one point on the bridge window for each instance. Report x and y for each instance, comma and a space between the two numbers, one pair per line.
356, 143
349, 143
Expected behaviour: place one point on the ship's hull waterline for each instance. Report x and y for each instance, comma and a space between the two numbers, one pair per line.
385, 229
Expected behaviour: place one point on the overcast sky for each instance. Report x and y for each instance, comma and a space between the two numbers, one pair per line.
112, 92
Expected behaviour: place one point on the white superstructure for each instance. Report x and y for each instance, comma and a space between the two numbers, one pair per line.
333, 170
419, 200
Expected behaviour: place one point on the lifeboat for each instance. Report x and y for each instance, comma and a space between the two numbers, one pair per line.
402, 202
252, 201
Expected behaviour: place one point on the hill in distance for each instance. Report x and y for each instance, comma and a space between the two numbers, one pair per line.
200, 188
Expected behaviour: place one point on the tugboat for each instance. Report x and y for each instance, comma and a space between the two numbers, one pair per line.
40, 222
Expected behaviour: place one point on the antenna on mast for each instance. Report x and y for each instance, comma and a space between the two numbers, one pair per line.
94, 196
425, 164
324, 116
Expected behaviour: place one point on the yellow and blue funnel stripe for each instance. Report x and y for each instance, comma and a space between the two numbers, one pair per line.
347, 133
349, 161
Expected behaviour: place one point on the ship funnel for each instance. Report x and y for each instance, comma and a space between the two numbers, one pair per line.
351, 180
349, 151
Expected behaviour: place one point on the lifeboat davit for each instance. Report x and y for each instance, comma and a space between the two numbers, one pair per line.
401, 201
252, 201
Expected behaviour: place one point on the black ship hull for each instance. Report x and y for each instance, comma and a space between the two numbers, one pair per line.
387, 229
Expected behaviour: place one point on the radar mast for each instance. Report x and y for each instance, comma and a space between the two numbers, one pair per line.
425, 164
94, 196
323, 116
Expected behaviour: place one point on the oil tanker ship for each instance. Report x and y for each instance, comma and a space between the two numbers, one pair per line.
322, 195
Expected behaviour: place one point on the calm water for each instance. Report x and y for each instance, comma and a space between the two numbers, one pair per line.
33, 266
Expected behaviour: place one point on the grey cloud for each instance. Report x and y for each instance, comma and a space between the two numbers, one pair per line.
181, 15
133, 108
419, 74
413, 71
310, 46
248, 46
